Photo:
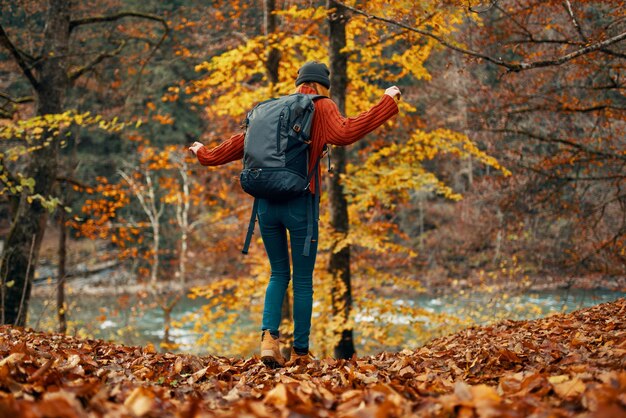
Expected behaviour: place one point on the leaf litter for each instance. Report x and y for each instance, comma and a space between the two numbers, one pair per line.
568, 365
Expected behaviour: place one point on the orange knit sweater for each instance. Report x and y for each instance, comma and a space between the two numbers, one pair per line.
329, 127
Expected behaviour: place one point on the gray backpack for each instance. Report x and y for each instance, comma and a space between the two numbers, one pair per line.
276, 154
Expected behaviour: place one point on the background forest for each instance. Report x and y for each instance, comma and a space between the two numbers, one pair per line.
504, 172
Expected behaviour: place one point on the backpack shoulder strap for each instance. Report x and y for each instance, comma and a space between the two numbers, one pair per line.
253, 216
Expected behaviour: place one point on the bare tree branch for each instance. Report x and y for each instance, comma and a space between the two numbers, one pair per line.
487, 8
18, 57
565, 109
523, 28
97, 60
570, 12
552, 175
16, 100
112, 18
571, 144
511, 66
8, 107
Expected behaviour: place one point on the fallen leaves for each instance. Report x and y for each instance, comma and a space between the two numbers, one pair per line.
563, 365
140, 401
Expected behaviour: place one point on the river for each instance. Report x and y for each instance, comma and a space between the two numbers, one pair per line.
131, 320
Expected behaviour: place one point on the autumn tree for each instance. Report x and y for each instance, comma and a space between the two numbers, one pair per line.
237, 78
539, 92
339, 263
50, 71
161, 224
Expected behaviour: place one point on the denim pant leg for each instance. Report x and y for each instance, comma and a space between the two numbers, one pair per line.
274, 234
302, 269
274, 219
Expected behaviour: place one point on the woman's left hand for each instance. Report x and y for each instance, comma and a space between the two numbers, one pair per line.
195, 147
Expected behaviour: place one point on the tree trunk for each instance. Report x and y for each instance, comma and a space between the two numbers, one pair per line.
21, 253
167, 323
62, 270
273, 55
168, 306
339, 264
154, 272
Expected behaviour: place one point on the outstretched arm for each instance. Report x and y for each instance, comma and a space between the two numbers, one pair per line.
339, 130
227, 151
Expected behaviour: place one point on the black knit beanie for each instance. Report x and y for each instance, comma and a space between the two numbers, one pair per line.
314, 71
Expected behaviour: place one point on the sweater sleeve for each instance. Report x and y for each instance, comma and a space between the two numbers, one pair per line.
338, 130
227, 151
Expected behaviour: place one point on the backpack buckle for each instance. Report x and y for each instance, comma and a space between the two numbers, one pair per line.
297, 128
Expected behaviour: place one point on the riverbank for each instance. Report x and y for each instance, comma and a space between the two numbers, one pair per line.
563, 365
137, 319
109, 279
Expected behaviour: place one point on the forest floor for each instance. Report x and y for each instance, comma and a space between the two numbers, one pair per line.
560, 366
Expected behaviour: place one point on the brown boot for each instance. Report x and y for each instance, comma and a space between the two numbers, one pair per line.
299, 359
270, 351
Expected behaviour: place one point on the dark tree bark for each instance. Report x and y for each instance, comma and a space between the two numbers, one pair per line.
24, 240
273, 55
61, 308
339, 264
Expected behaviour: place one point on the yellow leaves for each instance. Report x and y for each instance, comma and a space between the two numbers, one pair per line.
226, 302
396, 170
304, 14
341, 243
49, 203
50, 126
412, 59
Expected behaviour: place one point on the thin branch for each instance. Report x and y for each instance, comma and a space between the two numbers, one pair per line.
8, 108
570, 144
553, 176
564, 109
614, 53
531, 40
511, 66
17, 100
27, 279
97, 60
486, 9
18, 57
152, 52
112, 18
138, 194
73, 182
570, 12
518, 24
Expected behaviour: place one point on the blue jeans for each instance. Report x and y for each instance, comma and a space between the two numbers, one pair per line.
275, 219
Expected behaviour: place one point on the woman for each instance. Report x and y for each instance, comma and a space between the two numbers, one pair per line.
275, 218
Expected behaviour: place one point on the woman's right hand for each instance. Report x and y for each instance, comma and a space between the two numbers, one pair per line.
394, 92
195, 147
